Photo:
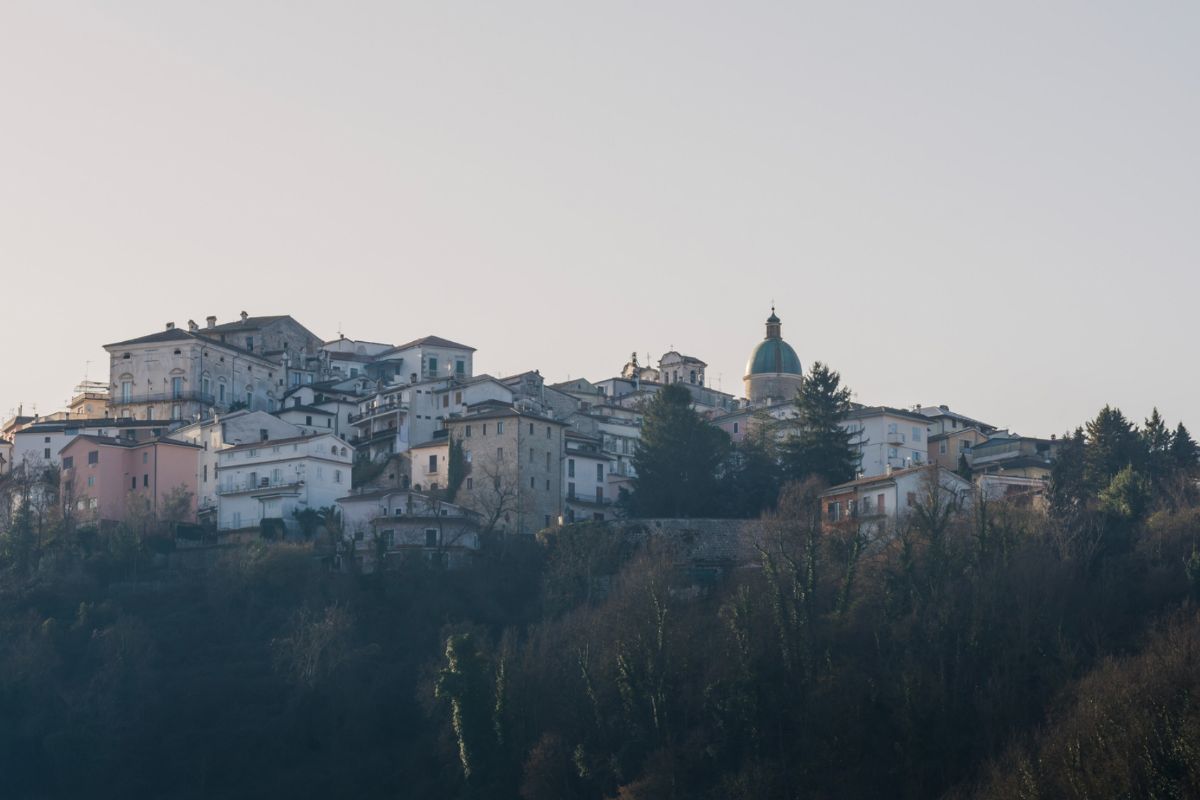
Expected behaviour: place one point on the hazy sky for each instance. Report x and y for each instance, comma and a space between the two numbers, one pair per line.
995, 209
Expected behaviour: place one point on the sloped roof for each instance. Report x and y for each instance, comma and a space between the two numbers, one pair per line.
435, 341
249, 323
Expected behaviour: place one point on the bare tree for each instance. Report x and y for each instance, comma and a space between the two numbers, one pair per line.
493, 491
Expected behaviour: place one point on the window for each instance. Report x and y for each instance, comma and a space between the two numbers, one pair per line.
145, 479
470, 483
46, 453
500, 427
735, 427
68, 462
599, 494
547, 484
250, 343
532, 482
467, 432
547, 461
91, 480
176, 388
571, 490
484, 432
891, 427
307, 420
458, 398
891, 452
499, 453
433, 463
531, 454
337, 476
133, 483
176, 412
600, 473
126, 390
145, 458
93, 456
879, 504
460, 368
546, 521
221, 393
445, 401
963, 445
46, 440
942, 448
570, 468
206, 473
431, 537
433, 365
916, 434
433, 486
531, 429
833, 512
547, 431
388, 538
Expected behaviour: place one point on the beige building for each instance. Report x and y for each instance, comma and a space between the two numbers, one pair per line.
513, 465
181, 375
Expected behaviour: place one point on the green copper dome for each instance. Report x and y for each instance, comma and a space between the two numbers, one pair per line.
773, 355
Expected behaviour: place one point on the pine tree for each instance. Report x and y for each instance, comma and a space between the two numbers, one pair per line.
822, 446
752, 478
1112, 444
1185, 455
1156, 442
678, 461
1068, 487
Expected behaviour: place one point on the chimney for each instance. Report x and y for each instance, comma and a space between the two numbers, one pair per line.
211, 322
170, 326
244, 315
192, 326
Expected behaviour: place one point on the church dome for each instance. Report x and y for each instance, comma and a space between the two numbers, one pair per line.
773, 356
773, 373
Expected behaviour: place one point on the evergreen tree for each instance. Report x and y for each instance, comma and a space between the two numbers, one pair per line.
1068, 487
752, 478
1156, 442
678, 461
821, 447
1112, 444
1184, 455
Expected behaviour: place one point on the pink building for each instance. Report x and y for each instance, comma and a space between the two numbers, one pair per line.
102, 475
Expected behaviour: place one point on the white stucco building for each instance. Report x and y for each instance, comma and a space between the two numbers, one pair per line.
215, 434
273, 479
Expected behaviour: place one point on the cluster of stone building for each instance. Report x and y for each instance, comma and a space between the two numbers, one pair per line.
259, 420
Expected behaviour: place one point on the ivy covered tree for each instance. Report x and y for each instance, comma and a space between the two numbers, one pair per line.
821, 447
678, 461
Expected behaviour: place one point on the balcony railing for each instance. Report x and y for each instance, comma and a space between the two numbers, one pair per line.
262, 484
387, 408
165, 397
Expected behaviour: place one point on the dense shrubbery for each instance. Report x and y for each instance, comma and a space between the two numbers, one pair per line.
1000, 653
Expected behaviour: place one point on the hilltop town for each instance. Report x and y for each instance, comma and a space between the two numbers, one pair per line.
257, 425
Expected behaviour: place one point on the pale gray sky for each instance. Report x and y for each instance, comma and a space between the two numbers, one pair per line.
991, 208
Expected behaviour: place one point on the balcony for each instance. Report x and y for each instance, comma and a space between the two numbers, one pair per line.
895, 438
262, 486
166, 397
387, 408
